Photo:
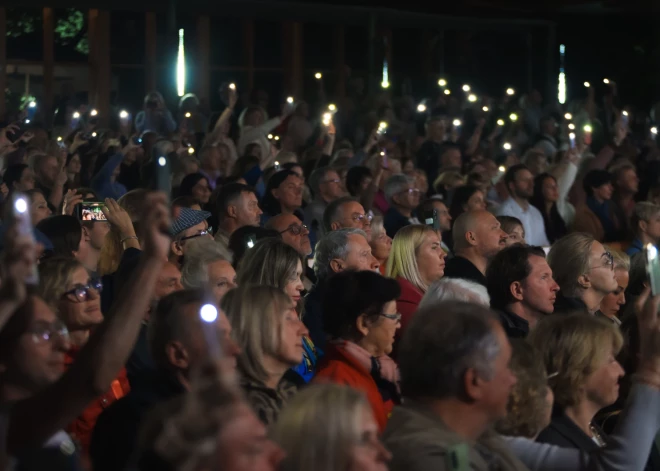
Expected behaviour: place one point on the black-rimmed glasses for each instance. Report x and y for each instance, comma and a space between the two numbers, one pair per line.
203, 233
81, 292
393, 317
296, 229
43, 333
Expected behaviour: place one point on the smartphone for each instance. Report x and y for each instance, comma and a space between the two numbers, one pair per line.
20, 212
653, 268
250, 241
91, 211
383, 153
571, 138
163, 175
137, 141
431, 219
208, 314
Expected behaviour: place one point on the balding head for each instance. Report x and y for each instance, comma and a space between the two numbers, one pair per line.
479, 231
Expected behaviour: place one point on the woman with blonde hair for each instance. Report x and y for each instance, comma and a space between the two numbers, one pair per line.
380, 242
416, 261
613, 302
329, 428
269, 332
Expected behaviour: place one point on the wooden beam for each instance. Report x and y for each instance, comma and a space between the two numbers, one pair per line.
203, 74
150, 51
3, 61
340, 62
104, 69
92, 34
248, 51
49, 61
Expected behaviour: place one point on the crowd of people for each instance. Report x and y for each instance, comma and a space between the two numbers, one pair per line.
364, 285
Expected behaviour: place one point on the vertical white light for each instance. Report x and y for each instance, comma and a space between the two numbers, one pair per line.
386, 75
181, 67
561, 88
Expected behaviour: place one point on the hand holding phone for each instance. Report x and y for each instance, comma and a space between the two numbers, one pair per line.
91, 211
653, 268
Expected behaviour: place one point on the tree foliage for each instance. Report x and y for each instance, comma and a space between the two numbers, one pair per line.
69, 27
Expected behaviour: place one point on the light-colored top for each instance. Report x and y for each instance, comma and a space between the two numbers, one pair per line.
531, 219
258, 135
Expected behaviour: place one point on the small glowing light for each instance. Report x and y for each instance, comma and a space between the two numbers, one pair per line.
162, 161
466, 88
507, 146
27, 121
654, 130
571, 126
382, 125
561, 87
270, 136
94, 134
277, 163
510, 91
571, 136
76, 115
318, 75
250, 244
447, 92
442, 83
332, 107
191, 150
421, 108
500, 122
277, 138
456, 122
606, 81
289, 100
385, 84
568, 116
181, 66
502, 169
33, 104
513, 117
587, 128
485, 109
232, 86
651, 251
587, 84
625, 113
382, 153
327, 118
123, 114
208, 313
59, 138
93, 113
188, 115
21, 205
472, 98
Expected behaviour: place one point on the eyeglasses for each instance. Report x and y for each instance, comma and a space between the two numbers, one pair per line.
362, 217
203, 233
411, 191
81, 293
609, 261
46, 332
336, 180
393, 317
296, 229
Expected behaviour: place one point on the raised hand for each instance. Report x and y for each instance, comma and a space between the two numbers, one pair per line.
155, 239
118, 217
71, 199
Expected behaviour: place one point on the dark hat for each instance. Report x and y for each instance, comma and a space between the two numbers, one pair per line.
188, 218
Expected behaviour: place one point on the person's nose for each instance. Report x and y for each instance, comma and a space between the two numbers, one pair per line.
178, 286
302, 329
555, 286
62, 343
375, 264
231, 348
622, 299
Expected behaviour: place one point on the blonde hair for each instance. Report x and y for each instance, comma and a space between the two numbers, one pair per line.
644, 211
621, 259
403, 256
54, 276
255, 313
270, 262
569, 259
377, 225
574, 347
321, 448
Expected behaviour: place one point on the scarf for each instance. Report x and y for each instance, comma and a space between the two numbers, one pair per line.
385, 366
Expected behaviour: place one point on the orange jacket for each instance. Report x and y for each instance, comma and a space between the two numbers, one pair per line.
337, 367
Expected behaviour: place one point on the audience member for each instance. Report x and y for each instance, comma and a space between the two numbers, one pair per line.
207, 265
514, 228
344, 213
612, 303
597, 216
547, 200
237, 206
455, 289
645, 224
403, 198
380, 242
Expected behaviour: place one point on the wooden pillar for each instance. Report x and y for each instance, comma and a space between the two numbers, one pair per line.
203, 72
3, 61
248, 52
150, 52
104, 78
49, 64
340, 62
92, 34
297, 56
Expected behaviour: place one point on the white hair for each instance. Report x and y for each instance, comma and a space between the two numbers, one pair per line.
455, 289
200, 254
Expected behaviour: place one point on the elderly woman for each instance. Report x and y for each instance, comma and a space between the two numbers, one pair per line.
272, 262
580, 351
208, 265
613, 302
381, 243
359, 313
270, 334
456, 289
416, 261
347, 440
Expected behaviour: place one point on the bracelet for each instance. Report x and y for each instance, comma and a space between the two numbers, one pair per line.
128, 238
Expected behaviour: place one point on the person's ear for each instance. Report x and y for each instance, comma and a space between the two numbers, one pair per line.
516, 290
335, 226
584, 281
362, 325
177, 355
473, 384
231, 211
176, 248
86, 235
336, 265
276, 193
643, 226
471, 238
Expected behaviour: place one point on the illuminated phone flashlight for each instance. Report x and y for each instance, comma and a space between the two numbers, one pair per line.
447, 91
442, 83
587, 128
457, 123
270, 137
123, 114
59, 138
191, 150
654, 130
587, 84
510, 91
208, 313
27, 121
485, 109
94, 134
507, 146
277, 138
571, 126
332, 107
250, 243
162, 161
327, 119
289, 100
188, 115
500, 122
466, 88
568, 116
606, 81
93, 112
502, 169
33, 104
318, 75
571, 138
421, 108
625, 113
382, 127
232, 86
76, 115
513, 117
472, 98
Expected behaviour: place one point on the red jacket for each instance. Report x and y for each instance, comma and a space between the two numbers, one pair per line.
81, 429
407, 303
337, 367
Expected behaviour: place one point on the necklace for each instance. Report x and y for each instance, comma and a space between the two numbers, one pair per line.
596, 436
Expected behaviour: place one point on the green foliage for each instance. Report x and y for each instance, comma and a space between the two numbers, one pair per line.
69, 28
21, 22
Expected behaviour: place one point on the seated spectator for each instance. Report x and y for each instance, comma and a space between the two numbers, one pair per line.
547, 200
455, 289
207, 265
283, 195
403, 198
466, 198
18, 177
296, 234
237, 206
626, 185
39, 209
189, 225
521, 288
597, 216
380, 242
478, 237
514, 228
332, 447
65, 233
245, 238
326, 187
346, 212
584, 270
270, 335
416, 261
645, 224
437, 205
359, 313
198, 187
611, 304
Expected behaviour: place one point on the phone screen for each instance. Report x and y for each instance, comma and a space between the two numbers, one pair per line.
91, 211
431, 219
653, 268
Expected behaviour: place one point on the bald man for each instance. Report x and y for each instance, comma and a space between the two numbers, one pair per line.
477, 239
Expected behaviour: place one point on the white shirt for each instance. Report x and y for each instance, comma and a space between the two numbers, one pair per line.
531, 219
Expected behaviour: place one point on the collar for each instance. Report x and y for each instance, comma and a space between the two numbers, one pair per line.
514, 325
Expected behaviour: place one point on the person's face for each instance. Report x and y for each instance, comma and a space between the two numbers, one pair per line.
523, 185
550, 127
201, 191
380, 334
292, 331
222, 278
538, 163
294, 286
97, 233
364, 184
431, 258
407, 198
602, 386
550, 190
243, 444
628, 181
49, 169
293, 232
37, 362
652, 227
369, 454
408, 168
290, 192
192, 232
601, 271
381, 245
254, 118
516, 236
499, 387
612, 302
26, 182
604, 192
359, 255
247, 210
74, 164
169, 281
330, 186
452, 159
39, 209
436, 130
443, 216
475, 202
77, 313
539, 289
353, 216
489, 235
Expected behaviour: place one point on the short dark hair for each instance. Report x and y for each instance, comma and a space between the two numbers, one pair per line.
13, 174
595, 179
349, 294
443, 341
316, 177
64, 232
238, 240
427, 206
508, 266
189, 181
227, 195
508, 223
354, 178
510, 175
331, 211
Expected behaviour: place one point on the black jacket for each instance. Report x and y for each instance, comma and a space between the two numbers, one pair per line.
515, 326
566, 305
393, 221
459, 267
